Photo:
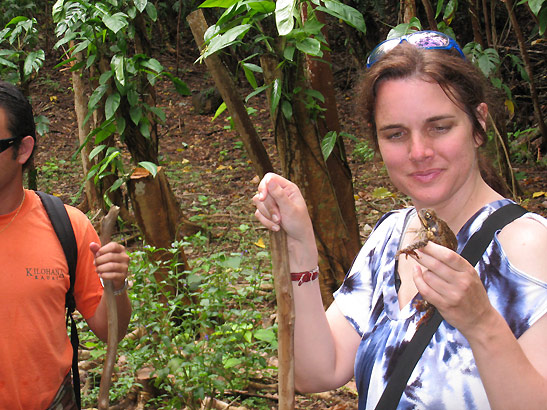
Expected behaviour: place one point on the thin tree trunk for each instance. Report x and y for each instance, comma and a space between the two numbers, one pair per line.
408, 10
298, 145
475, 23
228, 90
430, 15
80, 106
487, 27
320, 78
528, 66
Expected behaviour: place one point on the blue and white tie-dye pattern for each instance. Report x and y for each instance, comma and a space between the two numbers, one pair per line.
446, 376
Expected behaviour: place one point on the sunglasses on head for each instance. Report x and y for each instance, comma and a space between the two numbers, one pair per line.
8, 142
427, 39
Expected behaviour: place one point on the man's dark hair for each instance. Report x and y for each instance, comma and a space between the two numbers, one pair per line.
19, 115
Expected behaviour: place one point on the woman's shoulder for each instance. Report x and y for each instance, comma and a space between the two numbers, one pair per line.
524, 241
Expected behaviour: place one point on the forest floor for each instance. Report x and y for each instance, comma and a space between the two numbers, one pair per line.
204, 159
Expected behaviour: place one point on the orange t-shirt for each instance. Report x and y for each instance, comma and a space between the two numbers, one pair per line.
35, 351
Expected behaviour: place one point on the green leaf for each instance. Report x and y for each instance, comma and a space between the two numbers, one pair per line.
276, 95
96, 97
256, 92
348, 14
33, 62
310, 46
284, 16
96, 151
250, 76
7, 63
117, 64
266, 335
221, 41
16, 20
218, 3
152, 12
231, 362
328, 143
117, 183
150, 167
153, 65
140, 4
135, 112
219, 110
115, 22
262, 6
111, 105
286, 108
158, 112
288, 53
103, 79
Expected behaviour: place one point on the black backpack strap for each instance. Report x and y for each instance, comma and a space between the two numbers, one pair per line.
473, 250
63, 228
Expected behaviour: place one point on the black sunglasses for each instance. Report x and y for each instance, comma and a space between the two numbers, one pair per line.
8, 142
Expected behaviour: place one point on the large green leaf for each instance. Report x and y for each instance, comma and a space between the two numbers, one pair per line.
328, 143
111, 105
221, 41
346, 13
284, 16
96, 97
310, 46
117, 64
33, 62
115, 22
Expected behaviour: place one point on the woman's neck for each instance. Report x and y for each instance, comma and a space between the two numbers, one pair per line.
458, 210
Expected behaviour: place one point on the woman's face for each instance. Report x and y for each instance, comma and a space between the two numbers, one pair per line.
426, 141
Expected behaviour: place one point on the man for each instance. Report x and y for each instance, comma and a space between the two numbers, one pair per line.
35, 352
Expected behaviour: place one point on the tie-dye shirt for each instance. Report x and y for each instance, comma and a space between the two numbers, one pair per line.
446, 376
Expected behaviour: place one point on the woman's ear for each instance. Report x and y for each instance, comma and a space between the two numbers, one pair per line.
482, 110
25, 149
482, 117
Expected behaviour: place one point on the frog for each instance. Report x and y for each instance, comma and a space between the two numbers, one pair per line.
432, 229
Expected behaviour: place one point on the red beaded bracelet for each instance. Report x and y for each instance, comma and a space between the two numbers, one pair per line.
306, 276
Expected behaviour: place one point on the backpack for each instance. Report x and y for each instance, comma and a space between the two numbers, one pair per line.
63, 228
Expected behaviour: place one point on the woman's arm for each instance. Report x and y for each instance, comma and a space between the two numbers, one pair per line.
514, 372
325, 343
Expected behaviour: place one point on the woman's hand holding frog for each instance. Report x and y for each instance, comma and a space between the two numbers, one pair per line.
451, 284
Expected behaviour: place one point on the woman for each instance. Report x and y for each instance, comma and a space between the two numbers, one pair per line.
427, 113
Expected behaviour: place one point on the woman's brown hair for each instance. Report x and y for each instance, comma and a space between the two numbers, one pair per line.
462, 82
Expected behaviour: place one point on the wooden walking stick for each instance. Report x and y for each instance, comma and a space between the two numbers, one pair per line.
285, 319
107, 227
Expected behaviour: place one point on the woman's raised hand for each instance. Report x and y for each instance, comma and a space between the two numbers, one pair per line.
280, 204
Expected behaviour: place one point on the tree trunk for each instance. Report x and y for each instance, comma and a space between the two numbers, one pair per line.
320, 78
408, 10
158, 216
80, 106
228, 90
299, 147
528, 66
475, 23
430, 15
